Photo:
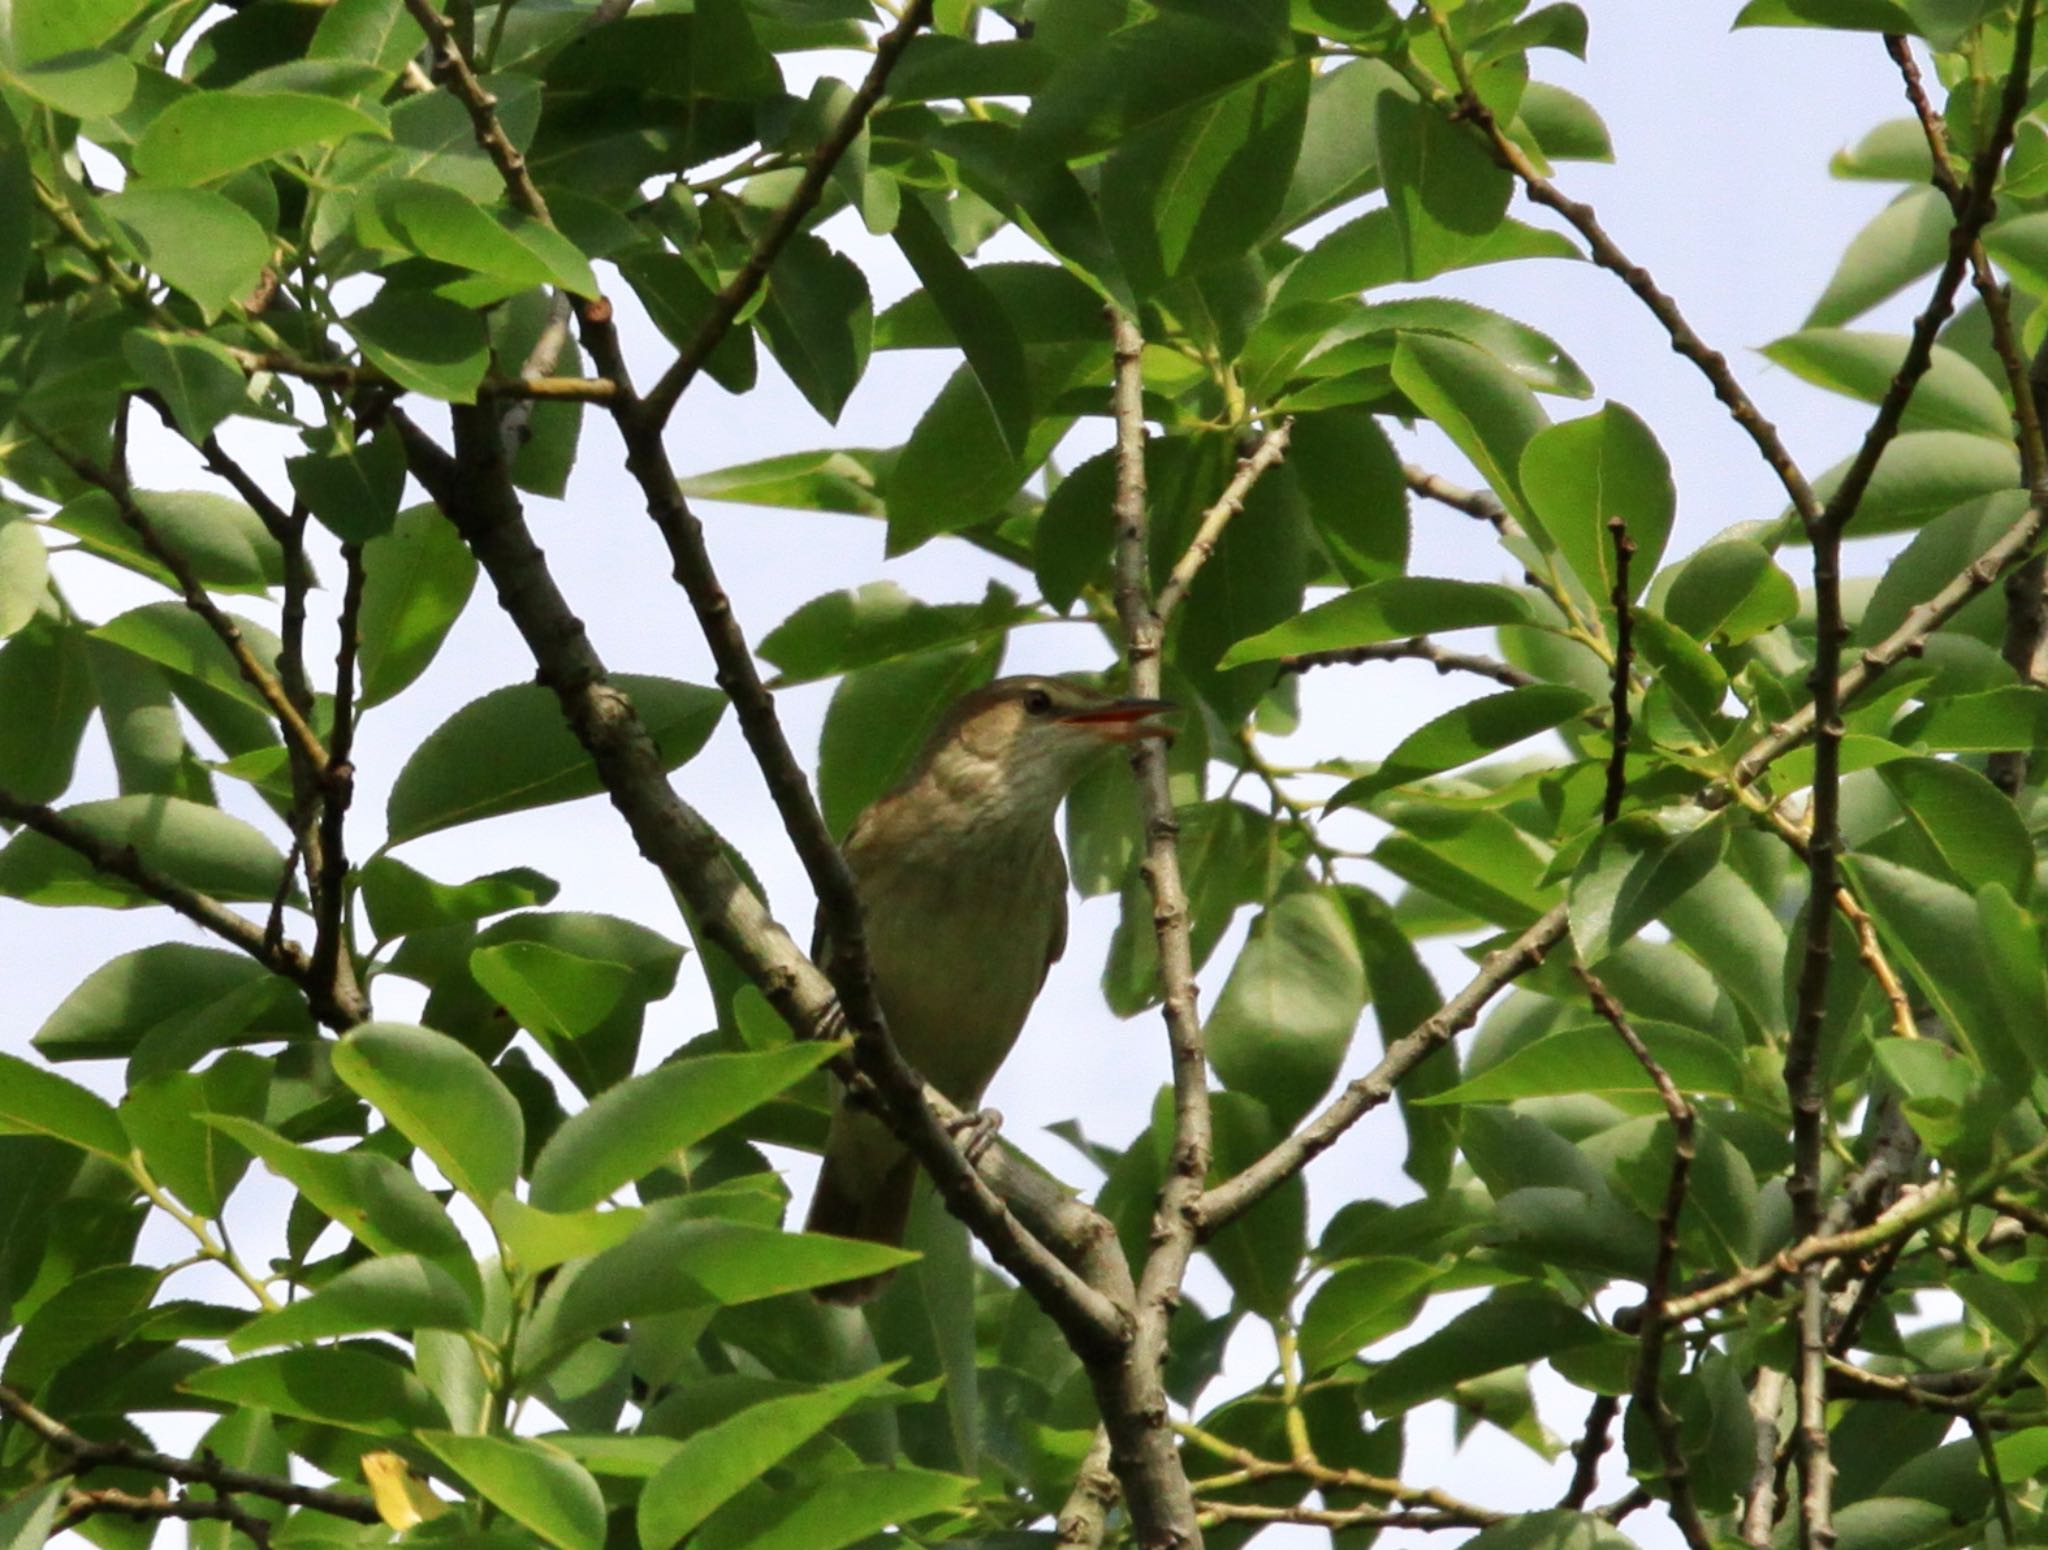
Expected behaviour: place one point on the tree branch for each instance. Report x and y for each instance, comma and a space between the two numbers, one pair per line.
1085, 1515
1271, 449
259, 677
1624, 665
282, 958
1649, 1376
739, 290
331, 961
80, 1505
1155, 1485
1419, 648
347, 377
85, 1453
473, 492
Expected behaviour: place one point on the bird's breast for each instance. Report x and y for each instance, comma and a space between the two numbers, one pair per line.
959, 937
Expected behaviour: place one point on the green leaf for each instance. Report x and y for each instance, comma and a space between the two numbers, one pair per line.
879, 717
715, 1464
1971, 825
416, 579
17, 202
530, 1482
211, 134
200, 242
678, 300
78, 1315
1445, 192
400, 900
1284, 1019
839, 1511
975, 318
1631, 874
1580, 475
86, 83
880, 622
510, 751
1392, 609
632, 1129
1473, 730
137, 996
1350, 476
835, 481
35, 1102
538, 1240
222, 540
400, 1293
442, 223
955, 472
1903, 242
1359, 1305
547, 990
47, 685
339, 1385
1730, 587
46, 27
1501, 1332
353, 491
2012, 716
196, 377
24, 573
1592, 1059
374, 1198
199, 1164
1953, 396
1922, 474
25, 1520
1558, 1529
424, 342
1858, 15
201, 847
1926, 925
1202, 184
447, 1102
1477, 402
818, 318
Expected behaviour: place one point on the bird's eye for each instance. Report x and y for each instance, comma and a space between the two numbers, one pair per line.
1038, 702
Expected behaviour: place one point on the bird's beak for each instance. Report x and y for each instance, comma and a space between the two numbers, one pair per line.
1125, 721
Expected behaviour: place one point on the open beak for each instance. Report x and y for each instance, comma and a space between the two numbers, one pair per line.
1126, 721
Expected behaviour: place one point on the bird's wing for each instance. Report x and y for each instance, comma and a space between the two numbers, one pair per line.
1056, 940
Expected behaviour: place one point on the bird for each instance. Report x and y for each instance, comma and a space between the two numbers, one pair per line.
963, 895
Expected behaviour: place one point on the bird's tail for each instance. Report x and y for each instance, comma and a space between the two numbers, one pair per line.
858, 1199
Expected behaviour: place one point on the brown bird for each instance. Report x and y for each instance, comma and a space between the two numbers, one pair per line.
963, 891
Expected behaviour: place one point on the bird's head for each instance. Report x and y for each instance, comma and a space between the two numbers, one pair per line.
1024, 741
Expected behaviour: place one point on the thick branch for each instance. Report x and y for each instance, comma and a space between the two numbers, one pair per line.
85, 1453
475, 495
732, 299
1162, 1509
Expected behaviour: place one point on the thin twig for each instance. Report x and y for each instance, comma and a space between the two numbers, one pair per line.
1213, 1513
1482, 505
86, 1453
284, 959
1155, 1468
347, 377
733, 297
1271, 449
1712, 364
1935, 1203
1586, 1452
80, 1505
1247, 1467
1085, 1515
1419, 648
331, 961
452, 69
195, 596
1649, 1376
1624, 667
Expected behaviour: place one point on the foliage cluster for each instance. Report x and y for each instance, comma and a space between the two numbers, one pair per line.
1765, 1065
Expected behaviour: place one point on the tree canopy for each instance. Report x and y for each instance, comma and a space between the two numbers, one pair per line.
1729, 1140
